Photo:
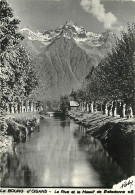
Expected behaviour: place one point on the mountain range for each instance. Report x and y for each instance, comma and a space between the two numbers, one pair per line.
63, 57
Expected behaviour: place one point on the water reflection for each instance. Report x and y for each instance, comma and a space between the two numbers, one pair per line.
15, 172
100, 160
59, 155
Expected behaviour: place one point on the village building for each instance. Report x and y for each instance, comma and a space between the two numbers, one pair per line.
74, 105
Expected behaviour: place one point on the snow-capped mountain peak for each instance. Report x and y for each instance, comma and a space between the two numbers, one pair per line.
36, 36
69, 30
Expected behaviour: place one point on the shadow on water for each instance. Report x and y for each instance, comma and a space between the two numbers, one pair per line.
119, 140
110, 172
59, 155
123, 153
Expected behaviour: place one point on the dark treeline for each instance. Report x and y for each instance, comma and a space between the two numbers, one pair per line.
110, 86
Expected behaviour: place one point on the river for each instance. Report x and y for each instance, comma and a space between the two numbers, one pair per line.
59, 155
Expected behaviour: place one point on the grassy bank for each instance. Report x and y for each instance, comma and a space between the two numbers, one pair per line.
116, 134
17, 127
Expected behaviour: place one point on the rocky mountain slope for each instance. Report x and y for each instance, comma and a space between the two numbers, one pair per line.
64, 56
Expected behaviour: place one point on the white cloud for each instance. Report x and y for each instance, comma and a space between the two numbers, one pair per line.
97, 9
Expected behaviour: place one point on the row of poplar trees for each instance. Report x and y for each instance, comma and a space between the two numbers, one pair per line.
16, 75
113, 80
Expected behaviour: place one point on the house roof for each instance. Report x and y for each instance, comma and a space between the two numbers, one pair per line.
74, 103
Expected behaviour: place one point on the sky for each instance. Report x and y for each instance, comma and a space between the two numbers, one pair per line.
93, 15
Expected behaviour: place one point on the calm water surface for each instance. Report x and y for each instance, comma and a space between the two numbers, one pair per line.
59, 155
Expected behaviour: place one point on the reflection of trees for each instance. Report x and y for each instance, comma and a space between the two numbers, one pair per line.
14, 173
122, 150
110, 173
118, 140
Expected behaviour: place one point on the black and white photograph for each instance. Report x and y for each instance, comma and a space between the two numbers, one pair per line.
67, 99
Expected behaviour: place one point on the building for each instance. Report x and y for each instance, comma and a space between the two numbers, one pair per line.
74, 105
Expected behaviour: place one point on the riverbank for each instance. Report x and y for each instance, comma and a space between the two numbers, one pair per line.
116, 134
17, 128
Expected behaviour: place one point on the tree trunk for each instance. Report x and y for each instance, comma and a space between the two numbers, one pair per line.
23, 106
88, 109
105, 109
7, 109
20, 108
101, 108
123, 109
35, 107
16, 108
109, 111
114, 110
92, 107
95, 107
31, 106
131, 112
12, 109
27, 106
83, 106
